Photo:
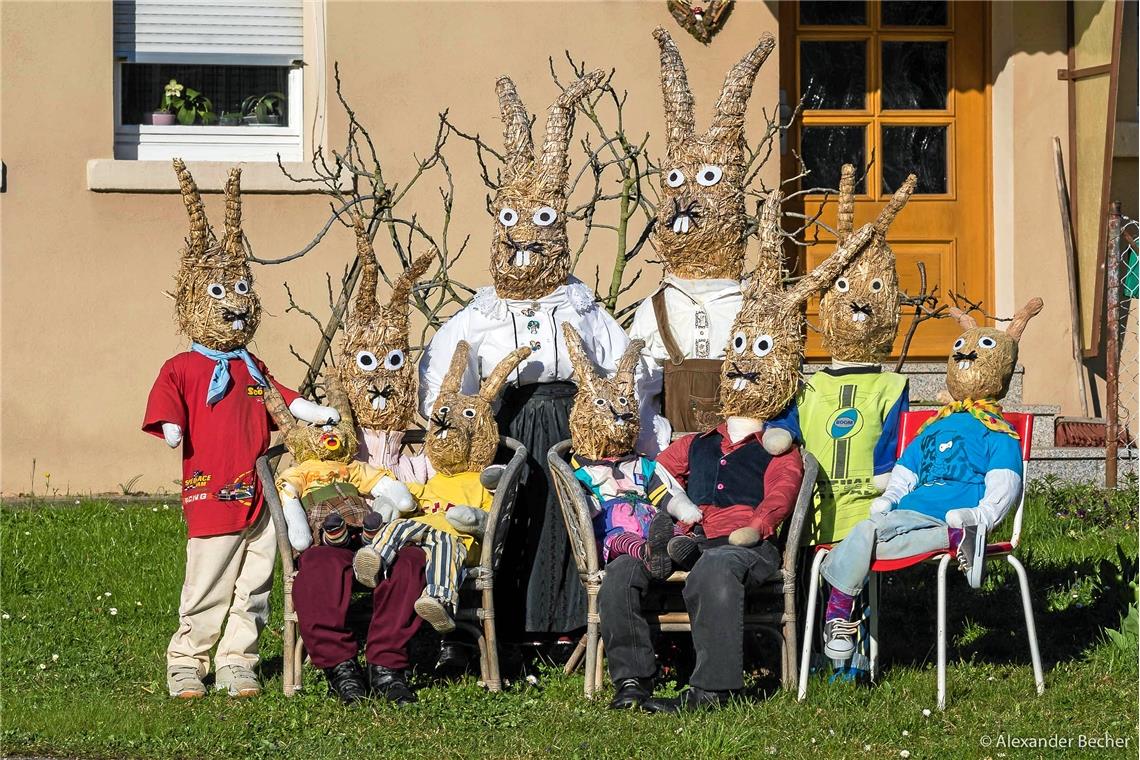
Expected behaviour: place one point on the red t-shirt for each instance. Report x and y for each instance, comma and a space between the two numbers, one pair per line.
220, 444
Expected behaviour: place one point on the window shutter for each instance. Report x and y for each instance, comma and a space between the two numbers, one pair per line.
237, 32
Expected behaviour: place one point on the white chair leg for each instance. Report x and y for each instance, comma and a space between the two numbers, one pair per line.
943, 563
809, 624
1030, 626
873, 593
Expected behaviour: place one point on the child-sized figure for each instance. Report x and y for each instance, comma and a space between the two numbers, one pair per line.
462, 439
954, 482
210, 399
631, 497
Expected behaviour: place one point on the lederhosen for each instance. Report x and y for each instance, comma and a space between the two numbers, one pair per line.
690, 396
342, 498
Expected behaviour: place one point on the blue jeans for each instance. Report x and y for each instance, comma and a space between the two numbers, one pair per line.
893, 535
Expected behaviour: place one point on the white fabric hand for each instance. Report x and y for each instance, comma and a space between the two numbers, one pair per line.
881, 506
681, 507
1003, 489
467, 520
491, 475
960, 518
880, 482
902, 482
172, 433
296, 520
776, 441
307, 411
391, 498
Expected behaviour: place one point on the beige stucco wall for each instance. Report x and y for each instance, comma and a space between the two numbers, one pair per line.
84, 325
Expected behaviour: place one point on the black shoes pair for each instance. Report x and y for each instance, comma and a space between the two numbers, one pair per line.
347, 683
637, 694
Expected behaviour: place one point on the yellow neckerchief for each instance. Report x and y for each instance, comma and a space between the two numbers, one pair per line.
985, 411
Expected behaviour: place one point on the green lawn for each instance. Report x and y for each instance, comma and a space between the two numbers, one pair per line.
90, 591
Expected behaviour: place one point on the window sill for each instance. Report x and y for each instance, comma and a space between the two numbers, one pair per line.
105, 175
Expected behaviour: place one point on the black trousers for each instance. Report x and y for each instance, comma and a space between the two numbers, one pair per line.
714, 596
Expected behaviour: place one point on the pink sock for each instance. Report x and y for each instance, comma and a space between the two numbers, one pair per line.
953, 537
626, 543
839, 606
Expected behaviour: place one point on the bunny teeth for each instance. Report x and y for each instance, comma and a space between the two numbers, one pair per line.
379, 403
441, 434
681, 224
238, 324
858, 317
964, 364
739, 384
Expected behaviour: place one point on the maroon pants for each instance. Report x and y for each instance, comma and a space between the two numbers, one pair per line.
321, 593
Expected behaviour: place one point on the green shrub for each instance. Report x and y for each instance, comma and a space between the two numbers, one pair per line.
1086, 505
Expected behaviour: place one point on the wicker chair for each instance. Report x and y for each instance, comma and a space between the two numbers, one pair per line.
771, 608
476, 613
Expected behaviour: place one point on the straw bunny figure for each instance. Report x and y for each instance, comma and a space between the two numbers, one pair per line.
952, 485
462, 439
632, 500
323, 492
374, 363
211, 399
533, 295
701, 235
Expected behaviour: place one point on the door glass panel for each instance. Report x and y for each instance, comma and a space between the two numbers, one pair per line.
826, 149
914, 13
914, 75
833, 74
914, 150
833, 13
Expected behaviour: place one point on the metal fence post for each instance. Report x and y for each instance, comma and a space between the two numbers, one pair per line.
1112, 348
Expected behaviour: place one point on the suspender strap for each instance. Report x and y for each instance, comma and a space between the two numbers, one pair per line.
676, 355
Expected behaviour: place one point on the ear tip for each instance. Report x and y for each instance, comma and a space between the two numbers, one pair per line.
661, 34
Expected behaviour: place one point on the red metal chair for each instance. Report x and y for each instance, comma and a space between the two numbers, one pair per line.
908, 427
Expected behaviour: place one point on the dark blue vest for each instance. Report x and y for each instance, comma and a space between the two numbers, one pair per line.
739, 480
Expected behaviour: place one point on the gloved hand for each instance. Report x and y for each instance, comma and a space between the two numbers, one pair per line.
683, 510
307, 411
391, 499
172, 433
467, 520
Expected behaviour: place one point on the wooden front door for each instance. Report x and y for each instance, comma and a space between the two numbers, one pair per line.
902, 82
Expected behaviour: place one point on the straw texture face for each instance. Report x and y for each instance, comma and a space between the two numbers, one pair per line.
982, 359
859, 313
213, 290
462, 434
604, 421
326, 443
374, 363
761, 371
701, 220
530, 253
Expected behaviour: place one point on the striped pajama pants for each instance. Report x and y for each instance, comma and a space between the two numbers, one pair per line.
445, 555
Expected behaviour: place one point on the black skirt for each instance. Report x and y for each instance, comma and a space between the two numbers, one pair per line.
537, 563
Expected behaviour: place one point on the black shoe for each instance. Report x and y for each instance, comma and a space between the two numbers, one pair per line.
656, 551
454, 657
346, 682
694, 698
390, 684
632, 693
684, 551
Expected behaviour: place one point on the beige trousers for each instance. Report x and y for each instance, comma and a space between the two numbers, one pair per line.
230, 573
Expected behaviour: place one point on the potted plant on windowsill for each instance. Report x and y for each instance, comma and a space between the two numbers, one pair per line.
164, 116
230, 119
263, 109
183, 105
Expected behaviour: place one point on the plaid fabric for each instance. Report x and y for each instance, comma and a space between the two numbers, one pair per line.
986, 412
342, 498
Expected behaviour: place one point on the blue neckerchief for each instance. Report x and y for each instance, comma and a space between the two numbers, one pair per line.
220, 380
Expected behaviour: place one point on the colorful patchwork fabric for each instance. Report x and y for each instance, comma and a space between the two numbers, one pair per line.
985, 411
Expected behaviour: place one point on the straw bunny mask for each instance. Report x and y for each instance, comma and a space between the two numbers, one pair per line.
216, 304
530, 253
462, 435
859, 313
327, 443
604, 420
761, 370
374, 365
700, 230
982, 360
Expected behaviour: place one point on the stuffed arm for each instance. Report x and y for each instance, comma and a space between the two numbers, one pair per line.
469, 520
391, 499
680, 506
296, 521
306, 410
902, 482
782, 482
1003, 489
172, 434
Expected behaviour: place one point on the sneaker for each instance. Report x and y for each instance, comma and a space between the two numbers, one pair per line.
366, 566
684, 551
184, 683
656, 546
435, 613
971, 554
839, 638
237, 681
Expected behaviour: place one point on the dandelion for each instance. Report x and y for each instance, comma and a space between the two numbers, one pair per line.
55, 658
138, 604
866, 747
154, 509
77, 502
771, 750
27, 533
905, 753
905, 732
106, 593
166, 506
43, 666
5, 616
114, 611
926, 712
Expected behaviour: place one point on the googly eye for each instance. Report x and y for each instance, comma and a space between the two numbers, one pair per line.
876, 285
508, 217
987, 342
623, 401
394, 359
216, 290
367, 361
469, 413
241, 287
739, 341
958, 344
599, 402
762, 346
443, 410
842, 285
675, 178
709, 175
545, 216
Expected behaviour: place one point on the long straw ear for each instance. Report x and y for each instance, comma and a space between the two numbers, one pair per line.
628, 362
894, 206
278, 409
1027, 312
200, 233
825, 274
584, 368
768, 268
679, 122
964, 320
555, 161
516, 127
728, 120
453, 380
233, 233
366, 305
494, 383
402, 287
337, 397
846, 214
